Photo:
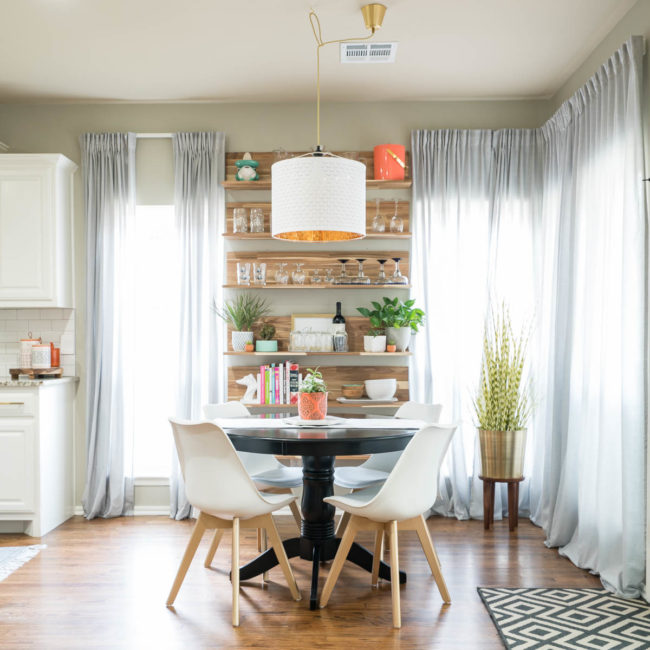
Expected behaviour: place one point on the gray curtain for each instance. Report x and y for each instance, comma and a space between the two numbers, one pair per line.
552, 221
199, 160
108, 168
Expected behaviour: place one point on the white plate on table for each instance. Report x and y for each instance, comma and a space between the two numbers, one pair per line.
328, 421
365, 400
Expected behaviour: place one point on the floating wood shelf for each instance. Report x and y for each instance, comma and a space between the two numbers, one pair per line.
331, 405
267, 158
315, 286
287, 354
386, 209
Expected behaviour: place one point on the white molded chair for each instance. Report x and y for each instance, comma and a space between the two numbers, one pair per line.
217, 484
269, 474
399, 504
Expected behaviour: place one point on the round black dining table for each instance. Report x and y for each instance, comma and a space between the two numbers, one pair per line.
318, 447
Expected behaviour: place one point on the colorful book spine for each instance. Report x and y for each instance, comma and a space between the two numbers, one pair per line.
294, 383
260, 382
267, 385
276, 373
287, 382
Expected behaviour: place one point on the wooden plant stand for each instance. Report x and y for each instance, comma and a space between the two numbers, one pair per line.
36, 373
513, 500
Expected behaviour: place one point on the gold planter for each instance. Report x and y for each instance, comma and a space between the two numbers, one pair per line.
502, 453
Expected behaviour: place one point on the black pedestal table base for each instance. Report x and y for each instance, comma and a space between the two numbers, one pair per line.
317, 542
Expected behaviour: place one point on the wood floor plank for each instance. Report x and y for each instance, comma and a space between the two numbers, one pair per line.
103, 584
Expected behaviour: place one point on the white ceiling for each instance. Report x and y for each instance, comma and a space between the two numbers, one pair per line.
264, 50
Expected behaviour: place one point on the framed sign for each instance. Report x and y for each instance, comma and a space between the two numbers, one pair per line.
311, 322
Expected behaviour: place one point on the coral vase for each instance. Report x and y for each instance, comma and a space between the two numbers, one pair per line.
312, 406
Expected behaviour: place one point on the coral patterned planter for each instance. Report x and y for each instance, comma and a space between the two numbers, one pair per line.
312, 406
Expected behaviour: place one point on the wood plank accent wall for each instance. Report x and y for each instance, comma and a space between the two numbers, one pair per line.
267, 158
316, 260
334, 377
386, 209
356, 327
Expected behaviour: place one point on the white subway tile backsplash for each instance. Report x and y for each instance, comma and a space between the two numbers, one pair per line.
55, 325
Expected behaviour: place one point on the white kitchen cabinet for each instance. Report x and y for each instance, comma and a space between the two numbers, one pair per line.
36, 455
36, 244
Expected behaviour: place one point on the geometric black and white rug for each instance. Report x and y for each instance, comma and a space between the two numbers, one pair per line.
535, 619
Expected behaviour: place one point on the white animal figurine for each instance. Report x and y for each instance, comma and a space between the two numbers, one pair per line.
250, 381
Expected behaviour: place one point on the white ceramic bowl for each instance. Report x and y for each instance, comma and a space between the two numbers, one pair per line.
381, 388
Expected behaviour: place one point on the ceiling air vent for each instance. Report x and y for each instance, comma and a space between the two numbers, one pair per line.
368, 52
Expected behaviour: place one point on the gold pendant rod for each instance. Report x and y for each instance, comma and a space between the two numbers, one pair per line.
316, 28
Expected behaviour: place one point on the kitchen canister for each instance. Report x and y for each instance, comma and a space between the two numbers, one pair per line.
26, 350
41, 356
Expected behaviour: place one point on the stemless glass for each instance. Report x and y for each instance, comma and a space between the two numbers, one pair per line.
360, 278
397, 277
396, 223
239, 220
343, 278
243, 273
378, 221
298, 276
257, 220
381, 276
259, 273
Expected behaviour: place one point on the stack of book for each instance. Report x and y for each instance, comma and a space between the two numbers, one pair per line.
279, 383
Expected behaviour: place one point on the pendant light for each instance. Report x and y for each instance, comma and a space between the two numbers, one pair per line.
320, 197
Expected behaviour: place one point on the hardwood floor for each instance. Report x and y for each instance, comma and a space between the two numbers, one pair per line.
103, 584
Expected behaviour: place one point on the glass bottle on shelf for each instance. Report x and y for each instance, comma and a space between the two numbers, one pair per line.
298, 276
381, 276
360, 278
396, 223
338, 322
378, 221
397, 277
343, 278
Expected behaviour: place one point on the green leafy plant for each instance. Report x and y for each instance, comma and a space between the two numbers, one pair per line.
503, 401
393, 313
242, 312
373, 332
313, 382
267, 332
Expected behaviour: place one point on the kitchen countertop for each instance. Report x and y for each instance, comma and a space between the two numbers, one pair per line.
7, 382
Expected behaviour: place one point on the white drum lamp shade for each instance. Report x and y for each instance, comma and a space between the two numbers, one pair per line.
318, 199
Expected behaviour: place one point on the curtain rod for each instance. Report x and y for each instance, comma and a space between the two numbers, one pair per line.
154, 135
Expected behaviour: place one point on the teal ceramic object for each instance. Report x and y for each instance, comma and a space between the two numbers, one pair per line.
266, 346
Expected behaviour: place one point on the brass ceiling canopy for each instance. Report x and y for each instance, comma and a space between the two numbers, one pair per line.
373, 16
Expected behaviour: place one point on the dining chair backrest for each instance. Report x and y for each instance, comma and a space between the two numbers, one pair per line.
254, 463
215, 479
412, 487
429, 413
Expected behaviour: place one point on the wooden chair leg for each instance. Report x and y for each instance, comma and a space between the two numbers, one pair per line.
264, 547
295, 511
218, 534
377, 557
234, 576
432, 558
283, 560
190, 550
343, 522
386, 541
394, 574
259, 540
339, 561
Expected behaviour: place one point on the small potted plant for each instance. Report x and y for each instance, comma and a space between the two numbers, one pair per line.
391, 345
375, 339
401, 319
312, 396
241, 314
502, 403
264, 341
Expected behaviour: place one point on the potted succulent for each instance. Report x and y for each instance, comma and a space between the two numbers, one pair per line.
241, 314
375, 340
401, 319
312, 396
391, 346
264, 341
502, 403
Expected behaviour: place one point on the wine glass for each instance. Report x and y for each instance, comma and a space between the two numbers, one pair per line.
378, 221
381, 276
397, 277
298, 276
343, 278
281, 276
328, 276
316, 277
360, 278
396, 223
